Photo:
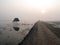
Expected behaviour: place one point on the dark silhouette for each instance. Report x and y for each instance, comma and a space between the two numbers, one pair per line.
16, 28
15, 20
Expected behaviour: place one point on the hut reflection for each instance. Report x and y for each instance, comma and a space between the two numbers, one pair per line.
16, 24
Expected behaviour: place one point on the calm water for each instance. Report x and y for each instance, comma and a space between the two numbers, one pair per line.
8, 36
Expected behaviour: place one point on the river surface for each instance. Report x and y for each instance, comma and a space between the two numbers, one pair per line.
9, 36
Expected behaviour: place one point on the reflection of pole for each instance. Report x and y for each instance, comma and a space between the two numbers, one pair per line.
16, 24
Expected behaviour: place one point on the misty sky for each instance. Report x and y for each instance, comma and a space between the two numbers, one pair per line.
30, 10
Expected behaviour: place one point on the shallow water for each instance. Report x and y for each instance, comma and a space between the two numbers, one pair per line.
9, 36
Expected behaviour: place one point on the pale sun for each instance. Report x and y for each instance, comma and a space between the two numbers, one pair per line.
43, 11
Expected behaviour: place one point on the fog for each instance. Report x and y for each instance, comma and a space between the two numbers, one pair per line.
30, 10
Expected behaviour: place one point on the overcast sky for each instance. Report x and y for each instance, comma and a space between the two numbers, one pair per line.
30, 10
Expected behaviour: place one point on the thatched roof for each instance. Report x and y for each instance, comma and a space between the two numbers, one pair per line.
16, 19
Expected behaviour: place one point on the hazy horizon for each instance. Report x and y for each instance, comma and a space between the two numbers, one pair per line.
30, 10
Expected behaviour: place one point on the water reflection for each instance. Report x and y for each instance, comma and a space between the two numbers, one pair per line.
16, 24
16, 28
